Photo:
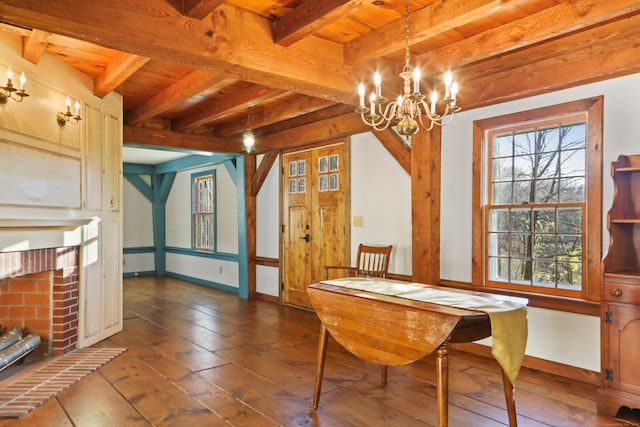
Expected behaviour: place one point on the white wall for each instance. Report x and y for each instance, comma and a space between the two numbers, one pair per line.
267, 232
138, 230
178, 211
178, 229
381, 195
568, 338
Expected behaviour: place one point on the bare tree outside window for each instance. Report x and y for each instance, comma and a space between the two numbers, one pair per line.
536, 205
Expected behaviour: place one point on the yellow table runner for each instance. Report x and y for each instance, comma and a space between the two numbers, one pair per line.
508, 315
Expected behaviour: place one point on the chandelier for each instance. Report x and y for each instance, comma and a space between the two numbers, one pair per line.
410, 107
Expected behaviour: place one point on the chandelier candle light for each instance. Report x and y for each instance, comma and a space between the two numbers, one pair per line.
411, 107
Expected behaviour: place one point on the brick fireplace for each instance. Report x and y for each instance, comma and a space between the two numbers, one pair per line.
39, 292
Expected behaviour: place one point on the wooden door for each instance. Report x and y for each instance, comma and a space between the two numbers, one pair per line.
315, 217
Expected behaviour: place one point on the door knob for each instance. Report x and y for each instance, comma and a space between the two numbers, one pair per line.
306, 238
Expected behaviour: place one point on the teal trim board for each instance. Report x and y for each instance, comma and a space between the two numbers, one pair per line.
204, 282
243, 255
161, 188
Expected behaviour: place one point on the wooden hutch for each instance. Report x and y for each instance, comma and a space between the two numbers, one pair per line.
620, 312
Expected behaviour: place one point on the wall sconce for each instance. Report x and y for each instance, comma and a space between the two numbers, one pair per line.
63, 118
10, 91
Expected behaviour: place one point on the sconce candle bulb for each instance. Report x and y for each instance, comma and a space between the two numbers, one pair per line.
63, 117
9, 91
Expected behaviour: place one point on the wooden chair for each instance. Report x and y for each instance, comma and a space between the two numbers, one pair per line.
372, 261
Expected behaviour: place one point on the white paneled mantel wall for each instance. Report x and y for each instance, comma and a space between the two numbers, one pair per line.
61, 186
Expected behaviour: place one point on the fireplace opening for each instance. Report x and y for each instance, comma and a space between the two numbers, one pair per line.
39, 294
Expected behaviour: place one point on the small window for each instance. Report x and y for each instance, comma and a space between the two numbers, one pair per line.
204, 209
539, 201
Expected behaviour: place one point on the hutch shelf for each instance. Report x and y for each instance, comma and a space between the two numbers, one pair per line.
620, 312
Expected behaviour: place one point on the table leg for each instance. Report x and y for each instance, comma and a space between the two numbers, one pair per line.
442, 383
322, 351
511, 400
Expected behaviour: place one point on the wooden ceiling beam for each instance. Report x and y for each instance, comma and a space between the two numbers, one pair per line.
174, 95
122, 67
320, 131
263, 171
438, 17
308, 17
305, 119
164, 138
292, 107
198, 9
558, 20
571, 61
218, 43
216, 110
34, 44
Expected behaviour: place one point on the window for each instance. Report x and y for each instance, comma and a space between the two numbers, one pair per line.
538, 201
204, 209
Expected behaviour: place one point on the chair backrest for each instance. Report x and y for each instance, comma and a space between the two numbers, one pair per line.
373, 261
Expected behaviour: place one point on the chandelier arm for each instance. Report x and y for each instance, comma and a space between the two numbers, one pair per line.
427, 110
389, 111
375, 124
425, 127
447, 119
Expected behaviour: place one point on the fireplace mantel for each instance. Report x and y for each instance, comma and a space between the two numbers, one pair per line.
20, 234
45, 222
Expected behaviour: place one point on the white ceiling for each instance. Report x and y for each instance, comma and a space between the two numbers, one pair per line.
146, 156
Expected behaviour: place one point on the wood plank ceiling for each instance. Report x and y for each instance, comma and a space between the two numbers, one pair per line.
189, 70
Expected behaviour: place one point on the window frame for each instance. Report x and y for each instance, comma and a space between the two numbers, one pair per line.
586, 300
195, 179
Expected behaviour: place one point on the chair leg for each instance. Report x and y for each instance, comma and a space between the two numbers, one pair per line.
383, 375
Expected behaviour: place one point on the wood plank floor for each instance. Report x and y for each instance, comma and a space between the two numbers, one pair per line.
203, 357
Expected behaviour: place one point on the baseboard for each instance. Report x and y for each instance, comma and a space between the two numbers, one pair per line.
555, 368
265, 297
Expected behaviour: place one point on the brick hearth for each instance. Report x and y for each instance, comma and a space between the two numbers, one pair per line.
39, 292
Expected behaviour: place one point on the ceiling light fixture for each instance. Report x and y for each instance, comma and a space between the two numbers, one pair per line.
248, 137
10, 91
410, 108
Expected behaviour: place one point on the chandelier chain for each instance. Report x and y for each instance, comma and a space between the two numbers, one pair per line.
407, 57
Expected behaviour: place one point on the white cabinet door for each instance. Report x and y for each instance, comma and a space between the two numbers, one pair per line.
111, 279
100, 284
93, 168
112, 163
90, 313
